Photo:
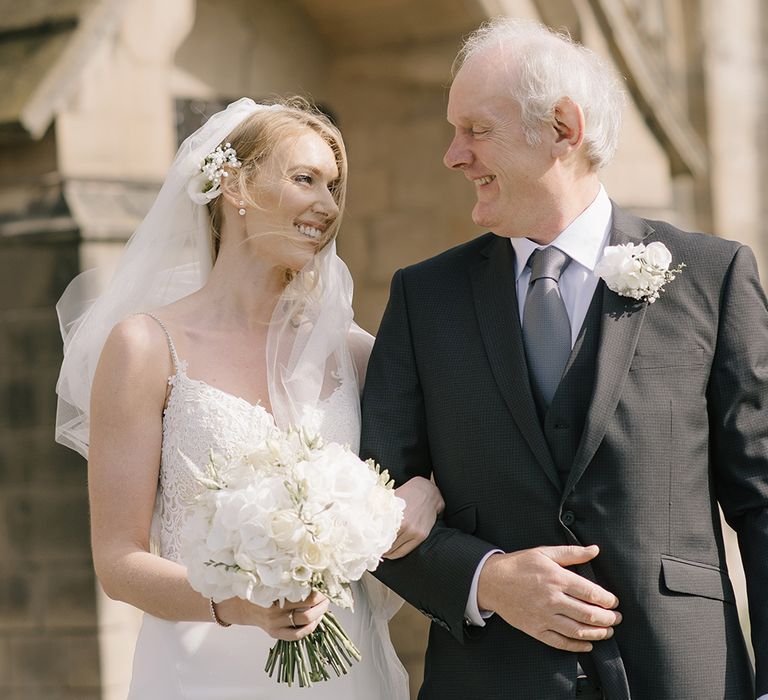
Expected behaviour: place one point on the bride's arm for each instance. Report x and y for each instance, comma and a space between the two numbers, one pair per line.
423, 501
126, 434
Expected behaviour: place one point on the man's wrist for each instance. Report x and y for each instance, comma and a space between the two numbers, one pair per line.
473, 615
485, 588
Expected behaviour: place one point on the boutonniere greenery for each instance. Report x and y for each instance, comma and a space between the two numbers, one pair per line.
637, 271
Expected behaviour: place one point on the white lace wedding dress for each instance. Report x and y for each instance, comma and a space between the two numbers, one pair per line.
199, 660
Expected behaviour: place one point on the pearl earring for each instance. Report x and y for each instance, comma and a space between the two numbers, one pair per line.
241, 211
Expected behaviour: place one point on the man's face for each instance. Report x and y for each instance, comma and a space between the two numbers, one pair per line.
489, 146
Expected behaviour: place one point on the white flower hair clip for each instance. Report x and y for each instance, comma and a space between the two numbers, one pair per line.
637, 271
205, 185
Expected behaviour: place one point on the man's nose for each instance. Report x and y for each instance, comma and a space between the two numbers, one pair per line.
457, 155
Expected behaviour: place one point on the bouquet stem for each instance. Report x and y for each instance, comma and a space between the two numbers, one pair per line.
308, 658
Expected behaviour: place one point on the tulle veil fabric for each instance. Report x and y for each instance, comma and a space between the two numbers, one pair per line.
168, 257
313, 344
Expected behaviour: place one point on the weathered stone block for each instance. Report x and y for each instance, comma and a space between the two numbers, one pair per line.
353, 244
5, 665
30, 456
82, 694
84, 667
401, 239
8, 469
60, 464
39, 661
31, 339
70, 597
18, 401
50, 525
51, 694
35, 273
19, 596
369, 145
370, 304
369, 192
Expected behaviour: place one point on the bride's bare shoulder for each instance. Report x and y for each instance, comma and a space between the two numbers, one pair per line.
135, 355
139, 336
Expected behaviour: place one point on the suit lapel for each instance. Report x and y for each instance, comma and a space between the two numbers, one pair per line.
622, 319
496, 306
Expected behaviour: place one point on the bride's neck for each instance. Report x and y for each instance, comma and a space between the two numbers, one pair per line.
244, 288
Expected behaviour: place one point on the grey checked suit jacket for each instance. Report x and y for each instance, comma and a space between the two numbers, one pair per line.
678, 423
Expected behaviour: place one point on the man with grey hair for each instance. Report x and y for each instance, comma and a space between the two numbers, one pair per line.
582, 422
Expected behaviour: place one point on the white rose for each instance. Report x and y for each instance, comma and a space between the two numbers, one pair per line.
286, 528
657, 255
301, 573
314, 555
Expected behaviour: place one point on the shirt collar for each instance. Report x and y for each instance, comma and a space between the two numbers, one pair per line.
583, 240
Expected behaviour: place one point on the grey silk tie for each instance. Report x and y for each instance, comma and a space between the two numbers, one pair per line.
546, 328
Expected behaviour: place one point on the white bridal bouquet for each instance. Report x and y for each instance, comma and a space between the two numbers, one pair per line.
293, 517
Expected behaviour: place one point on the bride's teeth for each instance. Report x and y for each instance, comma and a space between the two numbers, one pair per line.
485, 180
309, 231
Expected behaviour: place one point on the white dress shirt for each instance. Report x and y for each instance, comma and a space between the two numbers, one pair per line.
583, 241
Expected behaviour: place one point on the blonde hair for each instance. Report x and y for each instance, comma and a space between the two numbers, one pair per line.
254, 140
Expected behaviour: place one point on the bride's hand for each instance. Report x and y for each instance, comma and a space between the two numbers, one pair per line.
291, 622
423, 503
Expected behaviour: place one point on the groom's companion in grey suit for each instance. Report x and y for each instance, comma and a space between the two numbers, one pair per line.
582, 438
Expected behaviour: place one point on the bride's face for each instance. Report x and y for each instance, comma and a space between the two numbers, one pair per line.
295, 204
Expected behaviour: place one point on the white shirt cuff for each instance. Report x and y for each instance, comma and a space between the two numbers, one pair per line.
472, 613
763, 697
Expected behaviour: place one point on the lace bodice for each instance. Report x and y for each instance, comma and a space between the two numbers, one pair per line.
199, 418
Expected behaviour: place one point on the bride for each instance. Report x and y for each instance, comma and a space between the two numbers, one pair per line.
229, 313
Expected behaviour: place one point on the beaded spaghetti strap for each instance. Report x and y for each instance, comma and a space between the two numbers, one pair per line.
171, 346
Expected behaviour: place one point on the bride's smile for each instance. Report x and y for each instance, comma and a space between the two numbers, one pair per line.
293, 207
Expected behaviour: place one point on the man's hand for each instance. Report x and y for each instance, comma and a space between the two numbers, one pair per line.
534, 592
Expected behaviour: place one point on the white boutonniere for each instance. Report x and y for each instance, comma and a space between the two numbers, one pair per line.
637, 271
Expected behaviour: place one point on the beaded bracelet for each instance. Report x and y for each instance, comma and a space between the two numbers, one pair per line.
214, 615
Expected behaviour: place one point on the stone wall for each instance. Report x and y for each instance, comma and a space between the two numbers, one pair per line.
48, 645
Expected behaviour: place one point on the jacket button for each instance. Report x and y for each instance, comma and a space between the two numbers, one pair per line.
568, 518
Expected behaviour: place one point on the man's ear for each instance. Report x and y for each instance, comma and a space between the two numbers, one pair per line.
568, 128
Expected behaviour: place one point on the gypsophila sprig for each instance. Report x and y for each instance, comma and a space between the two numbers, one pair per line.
637, 271
213, 165
292, 517
205, 185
